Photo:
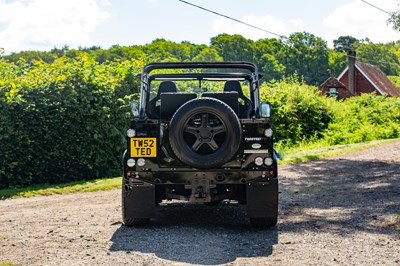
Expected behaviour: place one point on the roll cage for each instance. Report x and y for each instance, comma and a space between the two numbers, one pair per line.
238, 71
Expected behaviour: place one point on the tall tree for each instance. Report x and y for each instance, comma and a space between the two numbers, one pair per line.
233, 47
306, 55
337, 62
394, 18
345, 43
271, 68
381, 55
208, 54
265, 54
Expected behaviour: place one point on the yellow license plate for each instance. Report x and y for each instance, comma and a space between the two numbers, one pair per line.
143, 147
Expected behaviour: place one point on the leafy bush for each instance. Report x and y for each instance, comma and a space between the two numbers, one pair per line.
303, 116
364, 118
300, 112
64, 121
395, 80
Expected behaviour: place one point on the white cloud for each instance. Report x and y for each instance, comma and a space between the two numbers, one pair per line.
361, 20
268, 23
43, 24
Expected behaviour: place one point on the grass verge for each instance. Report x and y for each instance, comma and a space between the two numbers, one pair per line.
6, 263
300, 154
311, 152
79, 186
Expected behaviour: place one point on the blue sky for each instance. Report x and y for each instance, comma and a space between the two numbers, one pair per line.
44, 24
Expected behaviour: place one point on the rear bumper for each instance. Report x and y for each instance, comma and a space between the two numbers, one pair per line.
214, 177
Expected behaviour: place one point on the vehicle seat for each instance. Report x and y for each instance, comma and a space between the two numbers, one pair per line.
153, 106
228, 97
244, 108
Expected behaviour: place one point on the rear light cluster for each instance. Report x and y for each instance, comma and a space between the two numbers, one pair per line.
132, 162
268, 132
259, 161
131, 133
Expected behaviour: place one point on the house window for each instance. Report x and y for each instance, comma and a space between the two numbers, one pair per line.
332, 92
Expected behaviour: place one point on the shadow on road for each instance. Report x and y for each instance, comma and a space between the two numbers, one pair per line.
335, 196
341, 196
197, 234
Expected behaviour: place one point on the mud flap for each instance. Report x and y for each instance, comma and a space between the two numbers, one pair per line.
262, 198
138, 201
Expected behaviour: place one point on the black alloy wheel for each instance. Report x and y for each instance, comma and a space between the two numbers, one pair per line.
205, 133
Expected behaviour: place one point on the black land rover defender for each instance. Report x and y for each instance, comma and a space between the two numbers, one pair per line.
200, 134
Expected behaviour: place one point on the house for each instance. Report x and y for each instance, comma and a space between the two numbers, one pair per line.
334, 88
358, 78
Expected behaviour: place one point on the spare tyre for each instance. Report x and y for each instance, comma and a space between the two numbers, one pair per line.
205, 133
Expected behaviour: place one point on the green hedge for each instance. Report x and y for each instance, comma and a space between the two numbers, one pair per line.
63, 121
66, 121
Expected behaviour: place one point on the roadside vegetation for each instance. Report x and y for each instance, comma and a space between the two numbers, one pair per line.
65, 188
302, 153
6, 263
63, 113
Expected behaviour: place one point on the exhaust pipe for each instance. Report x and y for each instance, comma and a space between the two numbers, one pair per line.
127, 187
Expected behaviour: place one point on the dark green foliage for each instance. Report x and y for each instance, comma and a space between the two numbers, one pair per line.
209, 54
63, 122
306, 55
394, 18
271, 68
345, 43
338, 61
384, 56
265, 54
63, 113
233, 47
163, 50
117, 52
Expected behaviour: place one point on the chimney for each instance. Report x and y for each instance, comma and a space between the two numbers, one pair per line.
352, 71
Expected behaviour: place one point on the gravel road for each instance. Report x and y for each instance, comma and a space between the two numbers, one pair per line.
343, 210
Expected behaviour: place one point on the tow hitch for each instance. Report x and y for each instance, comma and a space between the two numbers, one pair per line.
200, 190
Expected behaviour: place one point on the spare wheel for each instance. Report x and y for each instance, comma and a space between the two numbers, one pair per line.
205, 133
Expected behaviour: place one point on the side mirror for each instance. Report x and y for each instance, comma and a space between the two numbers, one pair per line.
265, 110
135, 109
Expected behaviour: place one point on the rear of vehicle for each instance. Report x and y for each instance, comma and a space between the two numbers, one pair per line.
200, 134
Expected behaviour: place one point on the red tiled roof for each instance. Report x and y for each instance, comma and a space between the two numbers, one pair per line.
332, 82
378, 79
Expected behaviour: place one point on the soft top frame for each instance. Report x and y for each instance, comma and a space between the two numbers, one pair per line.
253, 76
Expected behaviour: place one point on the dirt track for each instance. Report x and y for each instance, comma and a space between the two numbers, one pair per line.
340, 211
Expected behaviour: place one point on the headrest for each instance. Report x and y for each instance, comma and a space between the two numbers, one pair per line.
167, 86
233, 85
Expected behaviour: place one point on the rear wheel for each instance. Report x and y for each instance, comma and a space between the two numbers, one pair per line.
129, 222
